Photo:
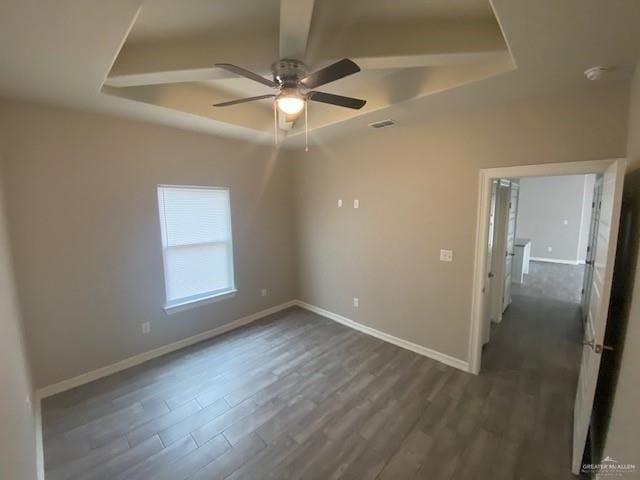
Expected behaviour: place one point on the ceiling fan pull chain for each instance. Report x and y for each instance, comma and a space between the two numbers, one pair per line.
275, 121
306, 128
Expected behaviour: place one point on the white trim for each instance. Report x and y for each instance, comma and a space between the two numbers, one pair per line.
484, 197
37, 413
198, 302
87, 377
554, 260
427, 352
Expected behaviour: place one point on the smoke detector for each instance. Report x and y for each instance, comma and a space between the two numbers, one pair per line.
382, 123
596, 73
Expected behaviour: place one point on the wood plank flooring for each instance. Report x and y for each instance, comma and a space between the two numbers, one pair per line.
298, 396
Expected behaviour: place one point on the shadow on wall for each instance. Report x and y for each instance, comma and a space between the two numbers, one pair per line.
618, 318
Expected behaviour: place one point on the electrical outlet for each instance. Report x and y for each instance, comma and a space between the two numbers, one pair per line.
356, 203
146, 327
565, 221
356, 302
264, 292
339, 203
446, 255
549, 249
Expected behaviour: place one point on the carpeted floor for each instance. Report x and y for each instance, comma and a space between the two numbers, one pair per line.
552, 280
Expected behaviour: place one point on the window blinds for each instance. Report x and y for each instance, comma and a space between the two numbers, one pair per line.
196, 240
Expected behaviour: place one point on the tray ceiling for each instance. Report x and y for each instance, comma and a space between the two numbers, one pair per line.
406, 48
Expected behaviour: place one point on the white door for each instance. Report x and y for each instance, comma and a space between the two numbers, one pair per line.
499, 249
509, 243
591, 246
488, 283
604, 255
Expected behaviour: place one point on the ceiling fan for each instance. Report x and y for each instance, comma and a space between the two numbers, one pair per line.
295, 85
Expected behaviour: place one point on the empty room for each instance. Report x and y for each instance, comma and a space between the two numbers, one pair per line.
319, 239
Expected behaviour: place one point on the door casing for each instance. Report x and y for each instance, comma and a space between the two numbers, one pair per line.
486, 176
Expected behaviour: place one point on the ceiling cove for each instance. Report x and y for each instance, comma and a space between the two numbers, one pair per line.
406, 49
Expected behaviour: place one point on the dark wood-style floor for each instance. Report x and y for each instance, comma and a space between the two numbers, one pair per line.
299, 396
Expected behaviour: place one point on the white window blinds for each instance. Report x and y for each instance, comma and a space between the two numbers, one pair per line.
196, 241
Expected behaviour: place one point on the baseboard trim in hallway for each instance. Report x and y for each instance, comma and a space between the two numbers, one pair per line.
556, 260
87, 377
414, 347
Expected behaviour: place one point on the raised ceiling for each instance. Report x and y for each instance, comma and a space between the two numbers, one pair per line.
70, 52
406, 49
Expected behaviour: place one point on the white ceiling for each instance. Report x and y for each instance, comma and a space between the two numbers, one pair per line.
162, 20
61, 53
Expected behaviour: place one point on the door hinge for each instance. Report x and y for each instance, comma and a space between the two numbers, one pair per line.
588, 249
582, 292
593, 204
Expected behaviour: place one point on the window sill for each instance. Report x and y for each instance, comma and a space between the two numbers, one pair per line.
189, 304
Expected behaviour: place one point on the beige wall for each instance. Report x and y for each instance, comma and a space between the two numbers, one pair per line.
17, 421
81, 191
624, 424
544, 205
417, 184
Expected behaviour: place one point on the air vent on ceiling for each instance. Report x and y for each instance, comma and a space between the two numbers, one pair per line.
382, 123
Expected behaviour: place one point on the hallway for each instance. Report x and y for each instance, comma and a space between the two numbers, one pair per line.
534, 353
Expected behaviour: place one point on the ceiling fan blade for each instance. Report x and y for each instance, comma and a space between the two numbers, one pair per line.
333, 72
242, 100
338, 100
247, 73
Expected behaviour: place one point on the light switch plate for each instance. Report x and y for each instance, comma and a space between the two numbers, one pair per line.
264, 292
446, 255
339, 202
146, 327
356, 203
356, 302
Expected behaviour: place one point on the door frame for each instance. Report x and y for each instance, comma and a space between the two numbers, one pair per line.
482, 228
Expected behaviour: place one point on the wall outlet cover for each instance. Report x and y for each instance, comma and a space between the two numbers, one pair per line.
263, 292
356, 302
339, 202
446, 255
146, 327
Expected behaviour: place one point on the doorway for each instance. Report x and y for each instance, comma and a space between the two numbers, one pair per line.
497, 184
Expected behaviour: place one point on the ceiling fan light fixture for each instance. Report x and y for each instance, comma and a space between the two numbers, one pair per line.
290, 104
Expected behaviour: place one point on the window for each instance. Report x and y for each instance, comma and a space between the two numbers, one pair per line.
196, 243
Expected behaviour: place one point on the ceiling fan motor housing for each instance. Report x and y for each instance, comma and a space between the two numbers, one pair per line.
288, 72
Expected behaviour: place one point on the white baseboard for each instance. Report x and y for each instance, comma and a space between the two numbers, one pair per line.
555, 260
419, 349
151, 354
157, 352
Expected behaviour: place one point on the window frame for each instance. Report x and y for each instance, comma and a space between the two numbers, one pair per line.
193, 301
